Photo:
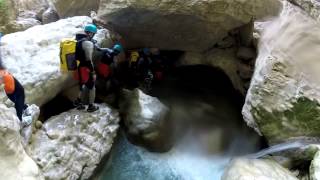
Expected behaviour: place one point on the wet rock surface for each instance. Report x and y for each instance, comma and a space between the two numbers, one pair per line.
72, 144
15, 163
146, 120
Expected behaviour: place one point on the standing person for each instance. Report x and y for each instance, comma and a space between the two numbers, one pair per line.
106, 69
87, 76
13, 89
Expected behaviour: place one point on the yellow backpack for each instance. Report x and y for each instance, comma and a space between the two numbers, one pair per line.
68, 61
134, 56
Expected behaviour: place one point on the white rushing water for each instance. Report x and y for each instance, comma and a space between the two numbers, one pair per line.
213, 135
183, 162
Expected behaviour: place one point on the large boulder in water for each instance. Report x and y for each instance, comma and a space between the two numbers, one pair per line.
191, 25
32, 56
146, 120
244, 169
283, 101
15, 163
72, 144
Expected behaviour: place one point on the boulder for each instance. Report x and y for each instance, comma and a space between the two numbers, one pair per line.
72, 144
261, 169
49, 16
15, 163
283, 101
32, 56
69, 8
190, 25
146, 121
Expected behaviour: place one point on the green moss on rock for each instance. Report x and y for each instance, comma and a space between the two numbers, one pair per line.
303, 119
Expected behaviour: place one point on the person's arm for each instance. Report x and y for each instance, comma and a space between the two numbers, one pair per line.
88, 47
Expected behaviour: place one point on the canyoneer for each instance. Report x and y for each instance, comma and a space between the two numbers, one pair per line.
14, 91
107, 67
87, 77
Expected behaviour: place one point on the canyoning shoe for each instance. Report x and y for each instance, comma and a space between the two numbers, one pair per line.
81, 107
26, 121
92, 108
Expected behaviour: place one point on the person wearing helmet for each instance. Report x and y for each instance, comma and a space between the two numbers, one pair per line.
106, 68
87, 77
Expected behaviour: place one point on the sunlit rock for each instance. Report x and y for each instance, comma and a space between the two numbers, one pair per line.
72, 144
260, 169
284, 96
146, 120
32, 56
15, 163
191, 25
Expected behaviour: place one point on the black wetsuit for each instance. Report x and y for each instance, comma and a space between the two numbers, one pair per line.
18, 97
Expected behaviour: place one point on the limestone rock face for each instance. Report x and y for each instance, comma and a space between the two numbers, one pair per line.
68, 8
284, 96
145, 119
8, 15
190, 25
71, 145
312, 7
32, 56
15, 163
225, 59
19, 15
244, 169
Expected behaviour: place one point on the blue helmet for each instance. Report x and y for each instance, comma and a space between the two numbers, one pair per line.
90, 28
118, 47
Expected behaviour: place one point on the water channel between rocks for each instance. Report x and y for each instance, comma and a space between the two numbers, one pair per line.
209, 131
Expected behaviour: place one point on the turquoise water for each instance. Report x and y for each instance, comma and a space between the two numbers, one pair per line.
213, 133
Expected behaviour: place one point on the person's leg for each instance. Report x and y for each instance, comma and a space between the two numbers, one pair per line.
17, 97
92, 95
19, 105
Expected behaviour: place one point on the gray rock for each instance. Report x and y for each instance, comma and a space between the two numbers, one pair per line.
244, 169
72, 144
312, 7
32, 56
15, 163
283, 101
146, 120
315, 167
69, 8
49, 16
189, 25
